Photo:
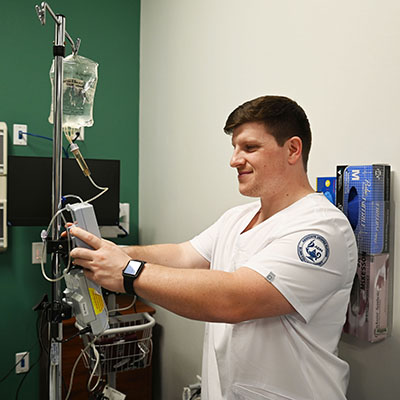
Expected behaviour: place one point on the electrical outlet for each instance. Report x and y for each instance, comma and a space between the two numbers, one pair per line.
21, 362
114, 231
113, 394
37, 252
81, 133
124, 216
20, 140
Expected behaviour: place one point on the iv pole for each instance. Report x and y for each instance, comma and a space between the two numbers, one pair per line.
55, 325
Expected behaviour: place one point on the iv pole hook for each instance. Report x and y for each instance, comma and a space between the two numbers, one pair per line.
41, 13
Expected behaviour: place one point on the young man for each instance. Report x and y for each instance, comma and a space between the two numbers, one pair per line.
272, 278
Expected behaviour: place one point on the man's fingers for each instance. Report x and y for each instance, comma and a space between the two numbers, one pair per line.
88, 274
82, 262
67, 226
92, 240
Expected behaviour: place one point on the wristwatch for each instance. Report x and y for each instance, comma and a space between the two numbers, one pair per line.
130, 273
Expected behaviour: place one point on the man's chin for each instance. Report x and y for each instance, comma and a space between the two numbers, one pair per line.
248, 193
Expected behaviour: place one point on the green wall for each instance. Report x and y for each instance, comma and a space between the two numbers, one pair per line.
110, 35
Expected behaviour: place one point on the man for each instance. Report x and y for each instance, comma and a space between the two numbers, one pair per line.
272, 278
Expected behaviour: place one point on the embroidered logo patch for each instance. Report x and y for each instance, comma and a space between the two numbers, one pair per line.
313, 249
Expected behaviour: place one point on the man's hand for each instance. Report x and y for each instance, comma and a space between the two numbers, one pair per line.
103, 264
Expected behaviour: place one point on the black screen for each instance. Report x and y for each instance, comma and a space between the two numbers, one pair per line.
29, 189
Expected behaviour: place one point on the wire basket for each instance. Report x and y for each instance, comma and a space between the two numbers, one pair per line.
127, 345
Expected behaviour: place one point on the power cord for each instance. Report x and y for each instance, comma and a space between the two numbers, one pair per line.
39, 322
81, 332
82, 354
15, 365
124, 308
97, 363
123, 230
74, 368
23, 379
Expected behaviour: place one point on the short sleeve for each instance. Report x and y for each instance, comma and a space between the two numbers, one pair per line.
204, 242
225, 229
306, 267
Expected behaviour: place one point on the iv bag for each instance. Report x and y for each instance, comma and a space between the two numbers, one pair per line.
79, 86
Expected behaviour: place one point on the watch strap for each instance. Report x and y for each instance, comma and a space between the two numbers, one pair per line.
130, 278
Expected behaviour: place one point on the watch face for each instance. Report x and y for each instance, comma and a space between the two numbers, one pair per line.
132, 267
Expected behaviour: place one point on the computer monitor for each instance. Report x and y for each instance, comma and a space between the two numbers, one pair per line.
29, 189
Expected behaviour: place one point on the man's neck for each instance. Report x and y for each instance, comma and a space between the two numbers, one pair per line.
290, 194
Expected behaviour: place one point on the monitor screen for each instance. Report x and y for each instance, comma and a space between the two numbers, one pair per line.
29, 189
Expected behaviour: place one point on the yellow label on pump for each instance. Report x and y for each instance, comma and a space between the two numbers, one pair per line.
97, 301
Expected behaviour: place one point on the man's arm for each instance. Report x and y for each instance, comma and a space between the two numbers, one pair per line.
199, 294
180, 255
214, 296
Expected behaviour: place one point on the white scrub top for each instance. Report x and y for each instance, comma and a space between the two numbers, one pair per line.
308, 252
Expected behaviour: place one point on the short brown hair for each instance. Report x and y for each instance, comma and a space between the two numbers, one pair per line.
281, 116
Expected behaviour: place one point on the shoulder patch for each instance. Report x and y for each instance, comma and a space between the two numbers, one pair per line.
313, 249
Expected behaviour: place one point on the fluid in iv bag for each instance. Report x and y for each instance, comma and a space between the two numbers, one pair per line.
79, 86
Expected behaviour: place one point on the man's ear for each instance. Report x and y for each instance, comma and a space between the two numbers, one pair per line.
295, 147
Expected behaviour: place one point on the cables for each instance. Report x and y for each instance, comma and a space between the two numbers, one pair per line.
96, 365
23, 379
124, 308
74, 367
20, 133
15, 365
103, 190
71, 136
81, 332
70, 196
39, 332
44, 236
12, 369
45, 233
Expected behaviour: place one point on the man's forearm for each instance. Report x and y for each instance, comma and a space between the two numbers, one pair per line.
181, 255
197, 294
164, 254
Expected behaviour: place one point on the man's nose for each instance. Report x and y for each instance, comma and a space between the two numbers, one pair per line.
236, 159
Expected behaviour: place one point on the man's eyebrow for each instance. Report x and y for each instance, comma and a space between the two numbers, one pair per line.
248, 141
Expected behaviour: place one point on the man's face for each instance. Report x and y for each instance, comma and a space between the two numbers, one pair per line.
261, 163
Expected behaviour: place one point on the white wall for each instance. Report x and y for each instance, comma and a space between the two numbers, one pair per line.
199, 60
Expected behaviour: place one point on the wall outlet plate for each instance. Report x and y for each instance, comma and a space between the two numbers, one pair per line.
113, 394
22, 362
38, 252
20, 140
81, 133
3, 148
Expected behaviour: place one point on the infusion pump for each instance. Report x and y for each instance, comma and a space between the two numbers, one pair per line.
3, 186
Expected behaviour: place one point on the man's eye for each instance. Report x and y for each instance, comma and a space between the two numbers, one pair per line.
251, 148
